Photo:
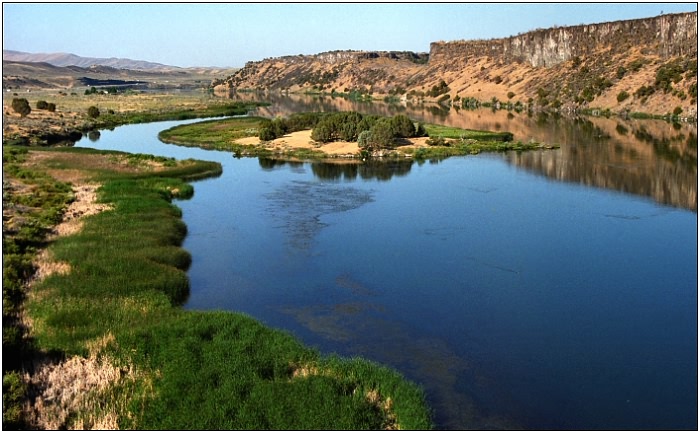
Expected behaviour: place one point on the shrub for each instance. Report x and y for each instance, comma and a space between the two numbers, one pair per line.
382, 134
622, 96
51, 107
21, 106
677, 111
437, 141
364, 139
621, 71
510, 95
266, 134
402, 126
439, 89
644, 91
41, 105
93, 112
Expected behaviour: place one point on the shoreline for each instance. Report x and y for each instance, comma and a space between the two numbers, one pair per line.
132, 339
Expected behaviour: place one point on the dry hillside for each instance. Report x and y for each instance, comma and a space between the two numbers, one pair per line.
646, 65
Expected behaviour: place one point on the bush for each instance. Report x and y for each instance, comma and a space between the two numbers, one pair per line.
41, 105
93, 112
364, 139
402, 126
13, 392
439, 89
510, 95
21, 106
51, 107
382, 134
677, 111
622, 96
437, 141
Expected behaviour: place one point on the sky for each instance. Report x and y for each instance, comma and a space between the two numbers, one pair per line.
230, 34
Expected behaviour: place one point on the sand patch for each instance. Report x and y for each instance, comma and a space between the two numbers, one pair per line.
302, 140
295, 140
341, 148
248, 141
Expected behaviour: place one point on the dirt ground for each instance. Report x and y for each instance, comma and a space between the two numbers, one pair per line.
302, 140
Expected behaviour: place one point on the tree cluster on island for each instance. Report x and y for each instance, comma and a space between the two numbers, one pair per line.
369, 131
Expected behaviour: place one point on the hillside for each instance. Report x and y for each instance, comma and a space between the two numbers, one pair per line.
645, 65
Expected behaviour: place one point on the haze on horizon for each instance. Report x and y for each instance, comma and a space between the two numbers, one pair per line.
228, 35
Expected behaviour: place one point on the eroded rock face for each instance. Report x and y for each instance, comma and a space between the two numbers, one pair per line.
667, 36
610, 65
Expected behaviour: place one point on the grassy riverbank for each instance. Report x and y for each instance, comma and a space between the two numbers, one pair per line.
109, 318
72, 115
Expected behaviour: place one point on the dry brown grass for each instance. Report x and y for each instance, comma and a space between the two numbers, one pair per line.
71, 394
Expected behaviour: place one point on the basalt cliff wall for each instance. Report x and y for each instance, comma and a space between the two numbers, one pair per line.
666, 36
644, 65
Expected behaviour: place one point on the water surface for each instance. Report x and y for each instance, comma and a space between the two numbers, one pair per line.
516, 300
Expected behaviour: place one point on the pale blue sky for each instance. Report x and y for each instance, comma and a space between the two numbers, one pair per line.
218, 34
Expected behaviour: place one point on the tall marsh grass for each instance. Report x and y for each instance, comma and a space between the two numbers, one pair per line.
198, 370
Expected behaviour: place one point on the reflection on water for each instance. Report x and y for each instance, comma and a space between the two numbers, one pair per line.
348, 170
651, 158
445, 375
299, 207
516, 302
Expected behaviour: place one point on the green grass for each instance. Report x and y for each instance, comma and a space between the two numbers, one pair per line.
474, 147
214, 134
196, 370
435, 131
107, 120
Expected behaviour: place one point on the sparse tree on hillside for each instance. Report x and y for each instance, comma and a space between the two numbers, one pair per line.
21, 106
93, 112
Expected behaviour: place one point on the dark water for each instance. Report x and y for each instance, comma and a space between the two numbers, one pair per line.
517, 300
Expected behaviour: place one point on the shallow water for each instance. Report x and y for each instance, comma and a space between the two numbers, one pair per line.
518, 301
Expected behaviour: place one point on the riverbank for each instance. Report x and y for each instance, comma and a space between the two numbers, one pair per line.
72, 117
104, 319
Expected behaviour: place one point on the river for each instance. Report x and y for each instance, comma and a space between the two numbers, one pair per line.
543, 290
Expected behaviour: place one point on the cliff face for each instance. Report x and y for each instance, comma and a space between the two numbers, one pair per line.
665, 36
646, 65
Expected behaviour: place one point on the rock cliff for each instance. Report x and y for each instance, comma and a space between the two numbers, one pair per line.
666, 36
645, 65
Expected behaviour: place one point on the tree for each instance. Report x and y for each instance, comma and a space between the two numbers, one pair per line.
21, 106
382, 134
93, 112
364, 139
402, 126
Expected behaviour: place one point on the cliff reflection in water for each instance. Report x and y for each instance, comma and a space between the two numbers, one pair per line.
651, 158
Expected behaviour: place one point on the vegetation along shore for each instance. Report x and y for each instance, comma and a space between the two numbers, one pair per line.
341, 135
93, 325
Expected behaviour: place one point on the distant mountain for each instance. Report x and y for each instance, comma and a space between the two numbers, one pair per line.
18, 74
68, 59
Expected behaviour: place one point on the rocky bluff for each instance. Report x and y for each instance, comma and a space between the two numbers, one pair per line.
644, 65
666, 36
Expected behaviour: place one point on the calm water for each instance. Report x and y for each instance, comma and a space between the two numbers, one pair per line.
519, 293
